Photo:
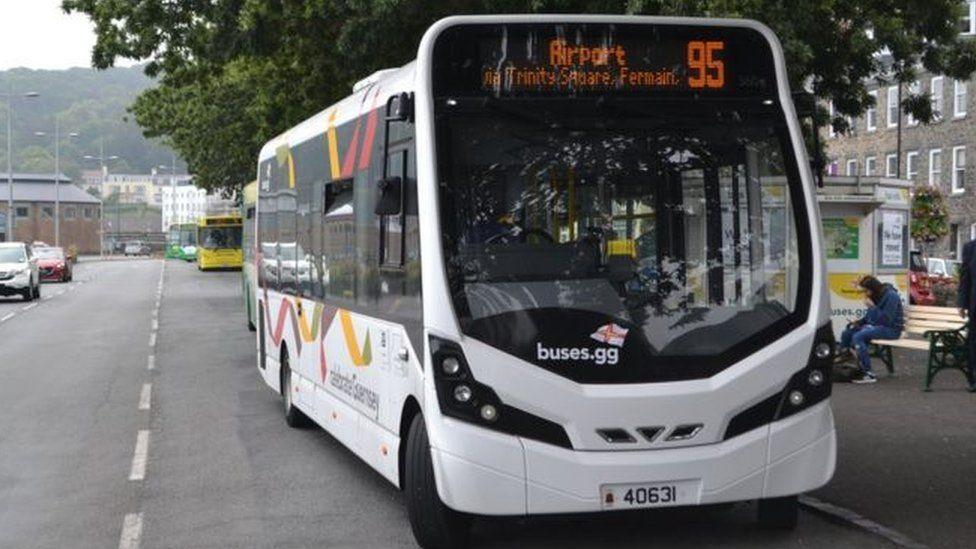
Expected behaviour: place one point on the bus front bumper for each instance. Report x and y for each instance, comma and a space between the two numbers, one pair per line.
484, 472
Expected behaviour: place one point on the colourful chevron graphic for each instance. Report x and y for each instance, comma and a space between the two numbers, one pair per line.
285, 158
359, 358
321, 319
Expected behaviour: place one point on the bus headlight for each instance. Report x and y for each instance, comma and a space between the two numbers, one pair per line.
807, 387
822, 350
811, 384
450, 365
462, 397
462, 393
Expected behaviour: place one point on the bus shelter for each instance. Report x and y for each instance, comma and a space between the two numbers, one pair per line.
865, 224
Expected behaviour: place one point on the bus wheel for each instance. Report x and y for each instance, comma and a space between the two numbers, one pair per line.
434, 525
778, 513
293, 416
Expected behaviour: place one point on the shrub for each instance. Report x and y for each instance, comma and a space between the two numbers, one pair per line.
945, 293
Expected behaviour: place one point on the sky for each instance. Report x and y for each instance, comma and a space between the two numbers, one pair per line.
36, 34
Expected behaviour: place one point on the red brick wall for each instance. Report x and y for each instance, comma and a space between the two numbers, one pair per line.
79, 231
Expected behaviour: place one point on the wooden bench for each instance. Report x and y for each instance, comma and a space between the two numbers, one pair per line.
938, 330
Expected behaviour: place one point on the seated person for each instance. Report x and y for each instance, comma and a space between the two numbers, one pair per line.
884, 319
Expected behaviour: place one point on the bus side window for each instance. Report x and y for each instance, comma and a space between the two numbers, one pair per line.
392, 226
338, 256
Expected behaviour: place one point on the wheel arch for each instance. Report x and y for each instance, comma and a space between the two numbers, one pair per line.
411, 409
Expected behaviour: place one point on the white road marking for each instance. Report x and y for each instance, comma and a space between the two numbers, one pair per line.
47, 297
28, 307
152, 339
145, 396
7, 317
131, 531
152, 362
140, 456
848, 516
155, 325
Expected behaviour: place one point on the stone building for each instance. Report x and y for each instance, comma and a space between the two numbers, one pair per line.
34, 199
927, 154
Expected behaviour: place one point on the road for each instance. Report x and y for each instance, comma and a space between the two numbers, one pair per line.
215, 465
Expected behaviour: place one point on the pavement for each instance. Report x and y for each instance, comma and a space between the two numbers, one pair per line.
99, 450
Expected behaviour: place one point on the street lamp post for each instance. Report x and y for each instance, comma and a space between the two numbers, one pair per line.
102, 163
57, 175
10, 156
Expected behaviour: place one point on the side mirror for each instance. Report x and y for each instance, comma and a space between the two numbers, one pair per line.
388, 202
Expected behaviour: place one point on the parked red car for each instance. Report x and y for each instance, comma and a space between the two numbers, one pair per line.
919, 282
54, 264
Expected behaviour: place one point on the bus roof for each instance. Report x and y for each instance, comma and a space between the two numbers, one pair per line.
207, 220
369, 93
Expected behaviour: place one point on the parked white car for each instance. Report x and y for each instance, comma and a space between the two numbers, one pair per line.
19, 273
943, 268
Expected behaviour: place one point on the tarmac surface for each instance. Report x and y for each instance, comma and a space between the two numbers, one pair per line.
215, 465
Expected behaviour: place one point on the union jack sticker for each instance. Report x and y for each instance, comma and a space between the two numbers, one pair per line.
611, 334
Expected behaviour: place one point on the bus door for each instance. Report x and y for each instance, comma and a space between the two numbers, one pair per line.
727, 226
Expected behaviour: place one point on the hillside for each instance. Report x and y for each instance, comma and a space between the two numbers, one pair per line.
91, 103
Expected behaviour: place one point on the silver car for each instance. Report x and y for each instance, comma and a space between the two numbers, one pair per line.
19, 273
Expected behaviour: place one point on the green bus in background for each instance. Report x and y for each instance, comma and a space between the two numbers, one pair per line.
182, 242
249, 273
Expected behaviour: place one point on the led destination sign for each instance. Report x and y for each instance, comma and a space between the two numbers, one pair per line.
524, 59
605, 67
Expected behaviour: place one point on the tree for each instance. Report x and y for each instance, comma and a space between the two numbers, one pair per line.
930, 218
235, 72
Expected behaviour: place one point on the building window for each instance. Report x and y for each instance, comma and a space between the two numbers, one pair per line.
935, 167
891, 165
871, 116
911, 165
869, 165
958, 169
935, 95
47, 212
87, 212
851, 169
21, 211
70, 212
893, 106
914, 88
967, 23
833, 168
959, 98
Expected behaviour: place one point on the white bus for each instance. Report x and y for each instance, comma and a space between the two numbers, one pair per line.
557, 264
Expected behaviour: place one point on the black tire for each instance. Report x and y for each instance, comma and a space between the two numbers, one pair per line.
37, 290
294, 417
434, 525
30, 293
778, 513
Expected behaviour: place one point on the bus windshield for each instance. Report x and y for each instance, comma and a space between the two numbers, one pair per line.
566, 221
188, 235
221, 236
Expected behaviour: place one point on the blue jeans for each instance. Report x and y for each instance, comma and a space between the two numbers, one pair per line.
860, 336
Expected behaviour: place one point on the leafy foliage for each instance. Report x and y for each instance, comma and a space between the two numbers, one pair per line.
930, 218
236, 72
